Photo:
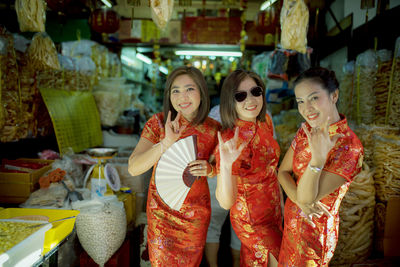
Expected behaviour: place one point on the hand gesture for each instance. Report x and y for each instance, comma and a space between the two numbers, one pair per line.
229, 150
316, 209
172, 130
320, 142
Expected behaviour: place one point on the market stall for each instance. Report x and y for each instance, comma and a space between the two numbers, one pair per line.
79, 80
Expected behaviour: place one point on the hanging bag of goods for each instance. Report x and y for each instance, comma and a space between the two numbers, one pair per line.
31, 15
366, 69
161, 12
393, 106
42, 53
346, 89
294, 25
356, 227
10, 98
382, 84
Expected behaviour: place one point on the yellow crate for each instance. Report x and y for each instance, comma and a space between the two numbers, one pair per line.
17, 187
57, 233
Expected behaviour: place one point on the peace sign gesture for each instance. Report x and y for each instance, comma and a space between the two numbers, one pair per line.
229, 150
172, 130
320, 142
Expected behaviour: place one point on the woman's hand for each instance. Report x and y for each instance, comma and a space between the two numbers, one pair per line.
316, 209
229, 150
320, 143
199, 167
172, 130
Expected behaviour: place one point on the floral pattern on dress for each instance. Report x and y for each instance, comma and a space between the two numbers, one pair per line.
177, 238
303, 244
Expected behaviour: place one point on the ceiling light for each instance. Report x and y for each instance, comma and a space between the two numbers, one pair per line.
163, 70
208, 53
144, 58
267, 4
107, 3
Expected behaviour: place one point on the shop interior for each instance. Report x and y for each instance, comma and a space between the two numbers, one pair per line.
80, 78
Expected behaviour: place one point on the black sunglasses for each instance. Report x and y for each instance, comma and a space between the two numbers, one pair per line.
255, 91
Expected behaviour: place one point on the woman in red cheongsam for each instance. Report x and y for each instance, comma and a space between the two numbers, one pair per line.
316, 172
247, 158
177, 238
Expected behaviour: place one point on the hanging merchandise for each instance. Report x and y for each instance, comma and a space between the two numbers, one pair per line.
346, 90
382, 84
10, 89
279, 64
366, 69
161, 12
393, 104
104, 20
31, 15
294, 25
42, 53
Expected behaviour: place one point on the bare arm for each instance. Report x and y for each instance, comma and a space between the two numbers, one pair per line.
226, 191
145, 155
314, 182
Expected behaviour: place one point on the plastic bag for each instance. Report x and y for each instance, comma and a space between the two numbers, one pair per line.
31, 15
294, 25
161, 12
53, 196
366, 69
101, 227
42, 52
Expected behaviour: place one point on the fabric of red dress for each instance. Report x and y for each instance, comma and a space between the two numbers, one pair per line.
177, 238
256, 216
303, 244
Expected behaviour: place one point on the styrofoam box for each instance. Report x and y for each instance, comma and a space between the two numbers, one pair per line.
28, 251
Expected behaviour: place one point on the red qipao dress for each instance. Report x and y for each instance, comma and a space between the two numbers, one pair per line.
177, 238
256, 216
303, 244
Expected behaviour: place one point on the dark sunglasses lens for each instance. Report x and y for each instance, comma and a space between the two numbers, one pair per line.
256, 91
240, 96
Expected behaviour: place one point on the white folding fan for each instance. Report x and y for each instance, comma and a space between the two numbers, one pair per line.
172, 178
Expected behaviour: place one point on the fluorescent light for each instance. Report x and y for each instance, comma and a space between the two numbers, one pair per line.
208, 53
127, 60
144, 58
163, 70
107, 3
267, 4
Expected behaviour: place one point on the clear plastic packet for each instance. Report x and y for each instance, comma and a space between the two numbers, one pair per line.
31, 15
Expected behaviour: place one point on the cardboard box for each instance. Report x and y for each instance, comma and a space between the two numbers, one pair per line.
17, 187
392, 229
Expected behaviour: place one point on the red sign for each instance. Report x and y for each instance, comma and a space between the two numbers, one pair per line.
204, 30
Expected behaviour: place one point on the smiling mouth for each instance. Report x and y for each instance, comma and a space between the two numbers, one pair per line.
251, 108
312, 116
184, 105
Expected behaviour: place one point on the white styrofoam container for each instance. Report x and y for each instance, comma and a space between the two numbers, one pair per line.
28, 251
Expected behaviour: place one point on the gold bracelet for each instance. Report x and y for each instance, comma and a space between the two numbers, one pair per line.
314, 168
211, 173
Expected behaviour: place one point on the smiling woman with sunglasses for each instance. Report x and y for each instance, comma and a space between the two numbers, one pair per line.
247, 157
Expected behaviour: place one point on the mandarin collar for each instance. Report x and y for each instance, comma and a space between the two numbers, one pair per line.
245, 124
